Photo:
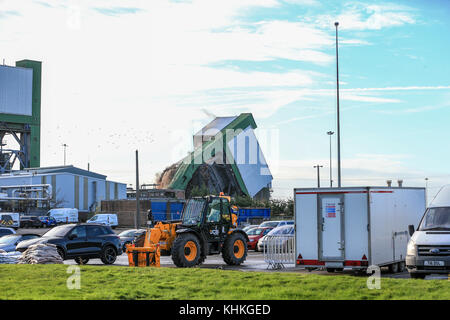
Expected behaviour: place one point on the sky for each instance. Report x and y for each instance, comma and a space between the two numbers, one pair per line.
120, 76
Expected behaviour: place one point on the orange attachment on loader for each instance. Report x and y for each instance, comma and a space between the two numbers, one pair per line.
158, 238
143, 256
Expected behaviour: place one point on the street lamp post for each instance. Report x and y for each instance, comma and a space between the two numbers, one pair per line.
65, 146
330, 133
338, 119
318, 175
138, 205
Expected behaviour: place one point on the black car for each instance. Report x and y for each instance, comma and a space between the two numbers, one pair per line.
30, 222
81, 242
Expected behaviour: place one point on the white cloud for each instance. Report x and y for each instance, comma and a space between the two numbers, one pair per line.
360, 170
112, 85
361, 16
405, 88
363, 98
415, 110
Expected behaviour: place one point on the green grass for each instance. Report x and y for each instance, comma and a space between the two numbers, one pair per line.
49, 282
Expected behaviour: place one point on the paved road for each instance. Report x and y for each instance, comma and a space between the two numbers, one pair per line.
254, 262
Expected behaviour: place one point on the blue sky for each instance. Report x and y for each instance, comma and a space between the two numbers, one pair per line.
126, 75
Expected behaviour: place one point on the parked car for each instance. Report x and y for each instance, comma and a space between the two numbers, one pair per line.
64, 215
10, 220
48, 221
35, 212
254, 235
81, 242
6, 231
428, 250
127, 237
245, 229
275, 224
8, 243
287, 230
109, 219
30, 222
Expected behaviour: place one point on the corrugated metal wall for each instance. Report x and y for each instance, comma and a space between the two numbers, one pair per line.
76, 201
86, 193
16, 90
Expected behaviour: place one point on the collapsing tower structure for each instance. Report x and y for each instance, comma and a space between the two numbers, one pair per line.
20, 114
227, 158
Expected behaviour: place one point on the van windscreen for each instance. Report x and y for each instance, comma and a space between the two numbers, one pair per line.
436, 219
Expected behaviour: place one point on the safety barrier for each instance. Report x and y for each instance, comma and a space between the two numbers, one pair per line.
279, 250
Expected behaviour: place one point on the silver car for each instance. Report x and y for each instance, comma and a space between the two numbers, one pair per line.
287, 230
8, 243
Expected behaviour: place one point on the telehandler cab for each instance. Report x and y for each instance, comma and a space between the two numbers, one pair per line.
207, 226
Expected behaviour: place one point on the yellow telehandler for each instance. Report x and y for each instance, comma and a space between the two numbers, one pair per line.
207, 226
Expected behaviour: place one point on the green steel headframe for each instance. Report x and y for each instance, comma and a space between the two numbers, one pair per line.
25, 129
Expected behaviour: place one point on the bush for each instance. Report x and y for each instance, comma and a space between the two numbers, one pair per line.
284, 207
199, 191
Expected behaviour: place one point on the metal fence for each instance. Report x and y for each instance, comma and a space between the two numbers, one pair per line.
279, 250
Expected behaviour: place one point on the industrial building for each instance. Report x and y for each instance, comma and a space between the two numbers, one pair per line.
69, 187
227, 158
23, 183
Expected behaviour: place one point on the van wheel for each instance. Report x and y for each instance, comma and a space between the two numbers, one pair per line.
108, 255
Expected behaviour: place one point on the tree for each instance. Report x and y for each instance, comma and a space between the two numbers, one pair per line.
199, 191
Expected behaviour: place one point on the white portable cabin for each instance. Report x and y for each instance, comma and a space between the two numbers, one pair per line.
355, 227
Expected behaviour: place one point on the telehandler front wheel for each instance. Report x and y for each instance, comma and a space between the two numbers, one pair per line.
186, 250
234, 250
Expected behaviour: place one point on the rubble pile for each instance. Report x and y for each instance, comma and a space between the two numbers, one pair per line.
9, 257
41, 253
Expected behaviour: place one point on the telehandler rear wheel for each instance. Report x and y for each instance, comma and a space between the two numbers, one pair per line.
186, 250
234, 250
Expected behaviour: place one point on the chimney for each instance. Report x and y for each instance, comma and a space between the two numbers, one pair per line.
389, 183
400, 183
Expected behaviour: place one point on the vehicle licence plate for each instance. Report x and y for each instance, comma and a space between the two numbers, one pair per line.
434, 263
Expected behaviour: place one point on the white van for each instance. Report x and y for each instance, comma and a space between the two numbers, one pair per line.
64, 215
109, 219
429, 248
10, 220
